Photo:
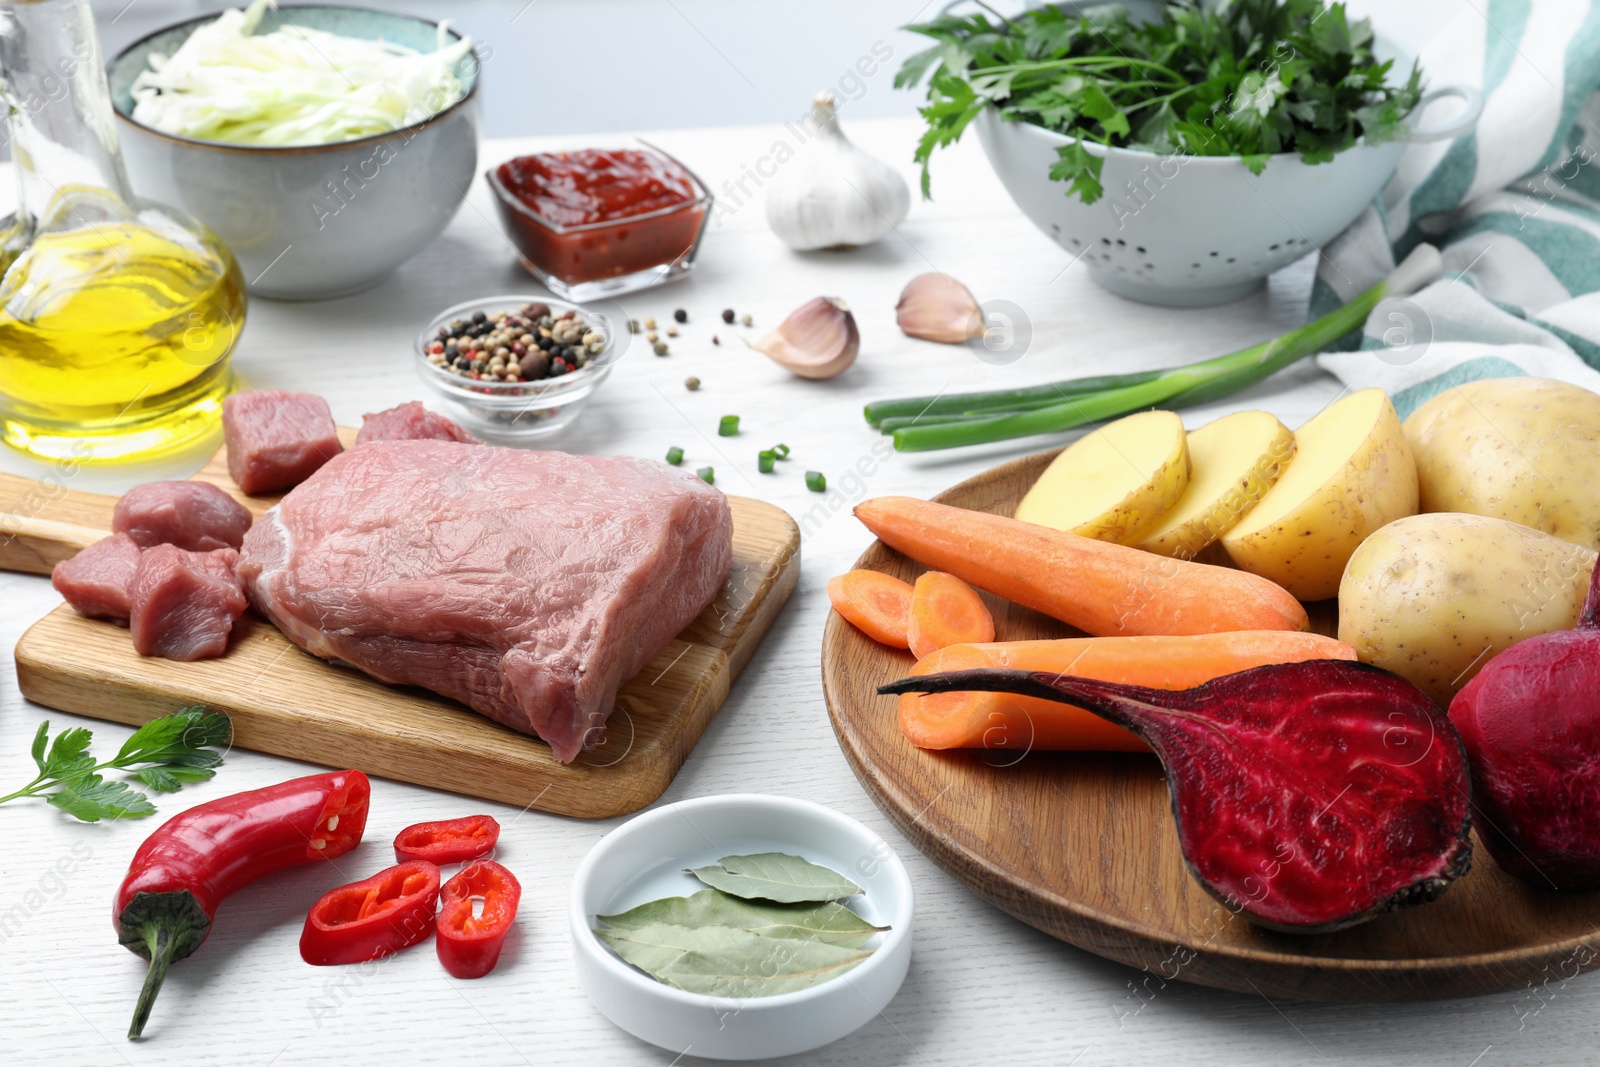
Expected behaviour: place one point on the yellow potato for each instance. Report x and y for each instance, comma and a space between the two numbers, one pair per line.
1352, 473
1233, 461
1523, 449
1434, 597
1115, 483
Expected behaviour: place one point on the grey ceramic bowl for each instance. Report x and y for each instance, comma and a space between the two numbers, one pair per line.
320, 221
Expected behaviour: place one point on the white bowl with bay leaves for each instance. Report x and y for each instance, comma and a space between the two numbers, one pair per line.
840, 970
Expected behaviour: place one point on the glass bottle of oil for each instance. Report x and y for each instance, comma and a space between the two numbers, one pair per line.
117, 315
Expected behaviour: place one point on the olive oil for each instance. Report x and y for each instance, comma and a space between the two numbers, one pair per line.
114, 338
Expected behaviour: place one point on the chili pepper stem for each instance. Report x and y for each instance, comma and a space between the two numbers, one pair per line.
162, 943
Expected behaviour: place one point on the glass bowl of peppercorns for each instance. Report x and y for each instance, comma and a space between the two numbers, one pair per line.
517, 367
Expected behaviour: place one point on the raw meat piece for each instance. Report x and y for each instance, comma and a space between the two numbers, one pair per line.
184, 603
527, 585
192, 515
277, 439
97, 580
411, 422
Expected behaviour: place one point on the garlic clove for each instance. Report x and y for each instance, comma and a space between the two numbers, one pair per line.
818, 340
936, 307
833, 195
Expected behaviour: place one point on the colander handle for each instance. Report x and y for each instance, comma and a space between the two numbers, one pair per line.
1471, 110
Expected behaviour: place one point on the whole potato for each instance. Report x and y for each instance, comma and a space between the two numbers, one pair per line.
1434, 597
1523, 449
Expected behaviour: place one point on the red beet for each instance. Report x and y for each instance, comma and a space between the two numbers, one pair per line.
1531, 724
1308, 796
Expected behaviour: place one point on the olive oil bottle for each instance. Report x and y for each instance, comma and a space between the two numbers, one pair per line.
117, 316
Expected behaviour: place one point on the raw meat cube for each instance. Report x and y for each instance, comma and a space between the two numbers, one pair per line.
184, 603
277, 439
97, 580
196, 516
411, 422
527, 585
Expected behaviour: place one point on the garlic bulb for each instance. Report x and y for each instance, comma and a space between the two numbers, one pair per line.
936, 307
818, 340
832, 194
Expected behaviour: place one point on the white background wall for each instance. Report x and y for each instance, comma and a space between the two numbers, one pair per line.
575, 66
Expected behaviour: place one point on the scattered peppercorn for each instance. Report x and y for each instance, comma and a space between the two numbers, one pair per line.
633, 325
674, 455
707, 475
816, 482
652, 337
671, 331
649, 324
729, 426
660, 348
691, 383
714, 340
680, 315
727, 315
746, 320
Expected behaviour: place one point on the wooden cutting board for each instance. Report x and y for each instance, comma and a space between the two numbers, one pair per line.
1082, 846
289, 703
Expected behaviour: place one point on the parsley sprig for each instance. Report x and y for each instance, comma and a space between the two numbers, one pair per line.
164, 755
1247, 78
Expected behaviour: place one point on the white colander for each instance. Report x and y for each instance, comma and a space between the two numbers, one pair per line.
1193, 230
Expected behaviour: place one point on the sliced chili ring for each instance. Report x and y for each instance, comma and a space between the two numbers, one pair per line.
450, 841
469, 945
372, 918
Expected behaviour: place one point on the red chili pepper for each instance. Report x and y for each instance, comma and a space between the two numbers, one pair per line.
469, 946
450, 841
201, 856
372, 918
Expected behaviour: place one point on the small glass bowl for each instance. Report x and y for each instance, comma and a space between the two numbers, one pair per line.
519, 411
601, 259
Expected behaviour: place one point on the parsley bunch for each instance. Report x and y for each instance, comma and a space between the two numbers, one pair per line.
1247, 78
164, 754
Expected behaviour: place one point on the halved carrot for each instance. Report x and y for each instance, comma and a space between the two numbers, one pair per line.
946, 611
1004, 721
875, 603
1101, 588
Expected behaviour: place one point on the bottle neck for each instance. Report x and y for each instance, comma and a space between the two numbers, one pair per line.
61, 136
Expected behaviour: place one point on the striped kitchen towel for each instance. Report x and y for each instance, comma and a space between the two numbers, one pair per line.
1513, 205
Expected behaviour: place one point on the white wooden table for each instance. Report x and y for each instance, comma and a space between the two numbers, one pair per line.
983, 987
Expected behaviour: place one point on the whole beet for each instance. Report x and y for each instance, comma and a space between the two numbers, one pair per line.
1531, 724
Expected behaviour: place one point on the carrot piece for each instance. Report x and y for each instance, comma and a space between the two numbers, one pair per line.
946, 611
1101, 588
877, 604
1005, 721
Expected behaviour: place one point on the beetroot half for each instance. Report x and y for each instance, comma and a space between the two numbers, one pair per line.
1308, 796
1531, 723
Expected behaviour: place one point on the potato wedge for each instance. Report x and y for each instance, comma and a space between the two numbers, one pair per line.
1434, 597
1352, 473
1115, 483
1233, 461
1522, 449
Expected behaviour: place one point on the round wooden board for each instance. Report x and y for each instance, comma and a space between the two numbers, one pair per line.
1082, 845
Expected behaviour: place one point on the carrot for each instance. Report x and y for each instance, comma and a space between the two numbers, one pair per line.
1101, 588
1001, 720
875, 603
946, 611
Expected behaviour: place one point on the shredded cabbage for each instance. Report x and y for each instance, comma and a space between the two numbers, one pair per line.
294, 86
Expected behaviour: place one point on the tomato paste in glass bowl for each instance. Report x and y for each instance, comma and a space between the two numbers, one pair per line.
602, 221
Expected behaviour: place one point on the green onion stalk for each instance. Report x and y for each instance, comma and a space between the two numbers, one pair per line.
926, 423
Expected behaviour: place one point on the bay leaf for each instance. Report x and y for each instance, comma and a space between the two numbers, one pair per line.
830, 922
725, 962
775, 876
